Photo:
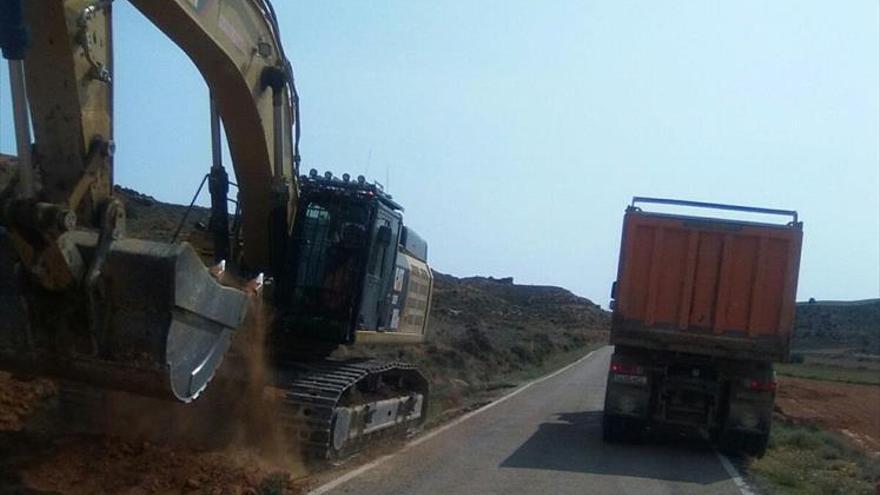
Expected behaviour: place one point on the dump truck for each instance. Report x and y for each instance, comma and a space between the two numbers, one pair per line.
702, 308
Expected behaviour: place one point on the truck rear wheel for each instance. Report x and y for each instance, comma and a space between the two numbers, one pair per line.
739, 442
617, 429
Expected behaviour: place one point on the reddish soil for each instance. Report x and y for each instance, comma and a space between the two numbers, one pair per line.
89, 466
19, 399
36, 459
853, 410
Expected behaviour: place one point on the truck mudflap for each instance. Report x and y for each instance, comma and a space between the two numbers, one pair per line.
624, 399
750, 416
152, 320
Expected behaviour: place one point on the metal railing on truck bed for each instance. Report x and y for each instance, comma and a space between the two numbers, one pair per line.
706, 285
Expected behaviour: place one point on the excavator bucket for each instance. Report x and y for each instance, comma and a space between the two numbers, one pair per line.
154, 322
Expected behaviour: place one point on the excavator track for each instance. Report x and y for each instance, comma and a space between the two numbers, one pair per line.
333, 408
326, 409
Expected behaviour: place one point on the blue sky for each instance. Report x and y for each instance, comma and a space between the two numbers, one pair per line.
515, 132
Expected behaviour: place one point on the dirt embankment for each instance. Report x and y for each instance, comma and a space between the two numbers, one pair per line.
149, 218
225, 443
20, 399
853, 410
92, 465
48, 462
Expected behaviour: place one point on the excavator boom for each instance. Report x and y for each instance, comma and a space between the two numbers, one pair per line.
80, 300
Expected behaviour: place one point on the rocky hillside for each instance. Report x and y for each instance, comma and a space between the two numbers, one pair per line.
514, 325
838, 324
148, 218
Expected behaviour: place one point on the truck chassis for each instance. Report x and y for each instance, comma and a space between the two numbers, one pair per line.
728, 401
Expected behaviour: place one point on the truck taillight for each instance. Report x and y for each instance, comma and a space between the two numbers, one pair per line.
628, 374
760, 386
627, 369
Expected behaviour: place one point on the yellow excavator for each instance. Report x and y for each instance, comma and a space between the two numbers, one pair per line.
82, 301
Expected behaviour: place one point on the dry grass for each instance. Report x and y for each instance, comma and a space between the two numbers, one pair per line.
811, 461
864, 376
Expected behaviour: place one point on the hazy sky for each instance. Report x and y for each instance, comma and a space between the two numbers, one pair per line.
515, 132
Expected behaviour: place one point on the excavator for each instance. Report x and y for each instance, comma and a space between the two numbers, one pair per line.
82, 301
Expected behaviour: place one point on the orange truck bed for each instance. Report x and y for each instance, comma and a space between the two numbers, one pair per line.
706, 285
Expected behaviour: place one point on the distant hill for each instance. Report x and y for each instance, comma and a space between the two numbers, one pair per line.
492, 302
838, 324
527, 321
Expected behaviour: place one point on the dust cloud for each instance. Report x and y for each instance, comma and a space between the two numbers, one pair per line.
231, 437
237, 411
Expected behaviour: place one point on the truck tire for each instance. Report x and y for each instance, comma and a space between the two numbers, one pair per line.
733, 442
755, 444
617, 429
610, 428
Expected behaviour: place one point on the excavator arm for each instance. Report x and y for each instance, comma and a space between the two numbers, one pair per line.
91, 304
236, 46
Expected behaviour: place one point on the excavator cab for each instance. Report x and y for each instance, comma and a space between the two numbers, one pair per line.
340, 259
330, 241
351, 272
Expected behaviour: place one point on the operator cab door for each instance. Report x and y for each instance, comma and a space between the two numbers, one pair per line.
375, 306
327, 259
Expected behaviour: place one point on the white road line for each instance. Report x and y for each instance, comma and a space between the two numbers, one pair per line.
734, 474
345, 478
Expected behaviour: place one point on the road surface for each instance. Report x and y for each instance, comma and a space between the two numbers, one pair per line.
544, 440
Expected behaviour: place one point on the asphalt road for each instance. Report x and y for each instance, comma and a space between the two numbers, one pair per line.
544, 440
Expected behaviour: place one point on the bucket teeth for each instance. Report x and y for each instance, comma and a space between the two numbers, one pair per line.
218, 270
255, 286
